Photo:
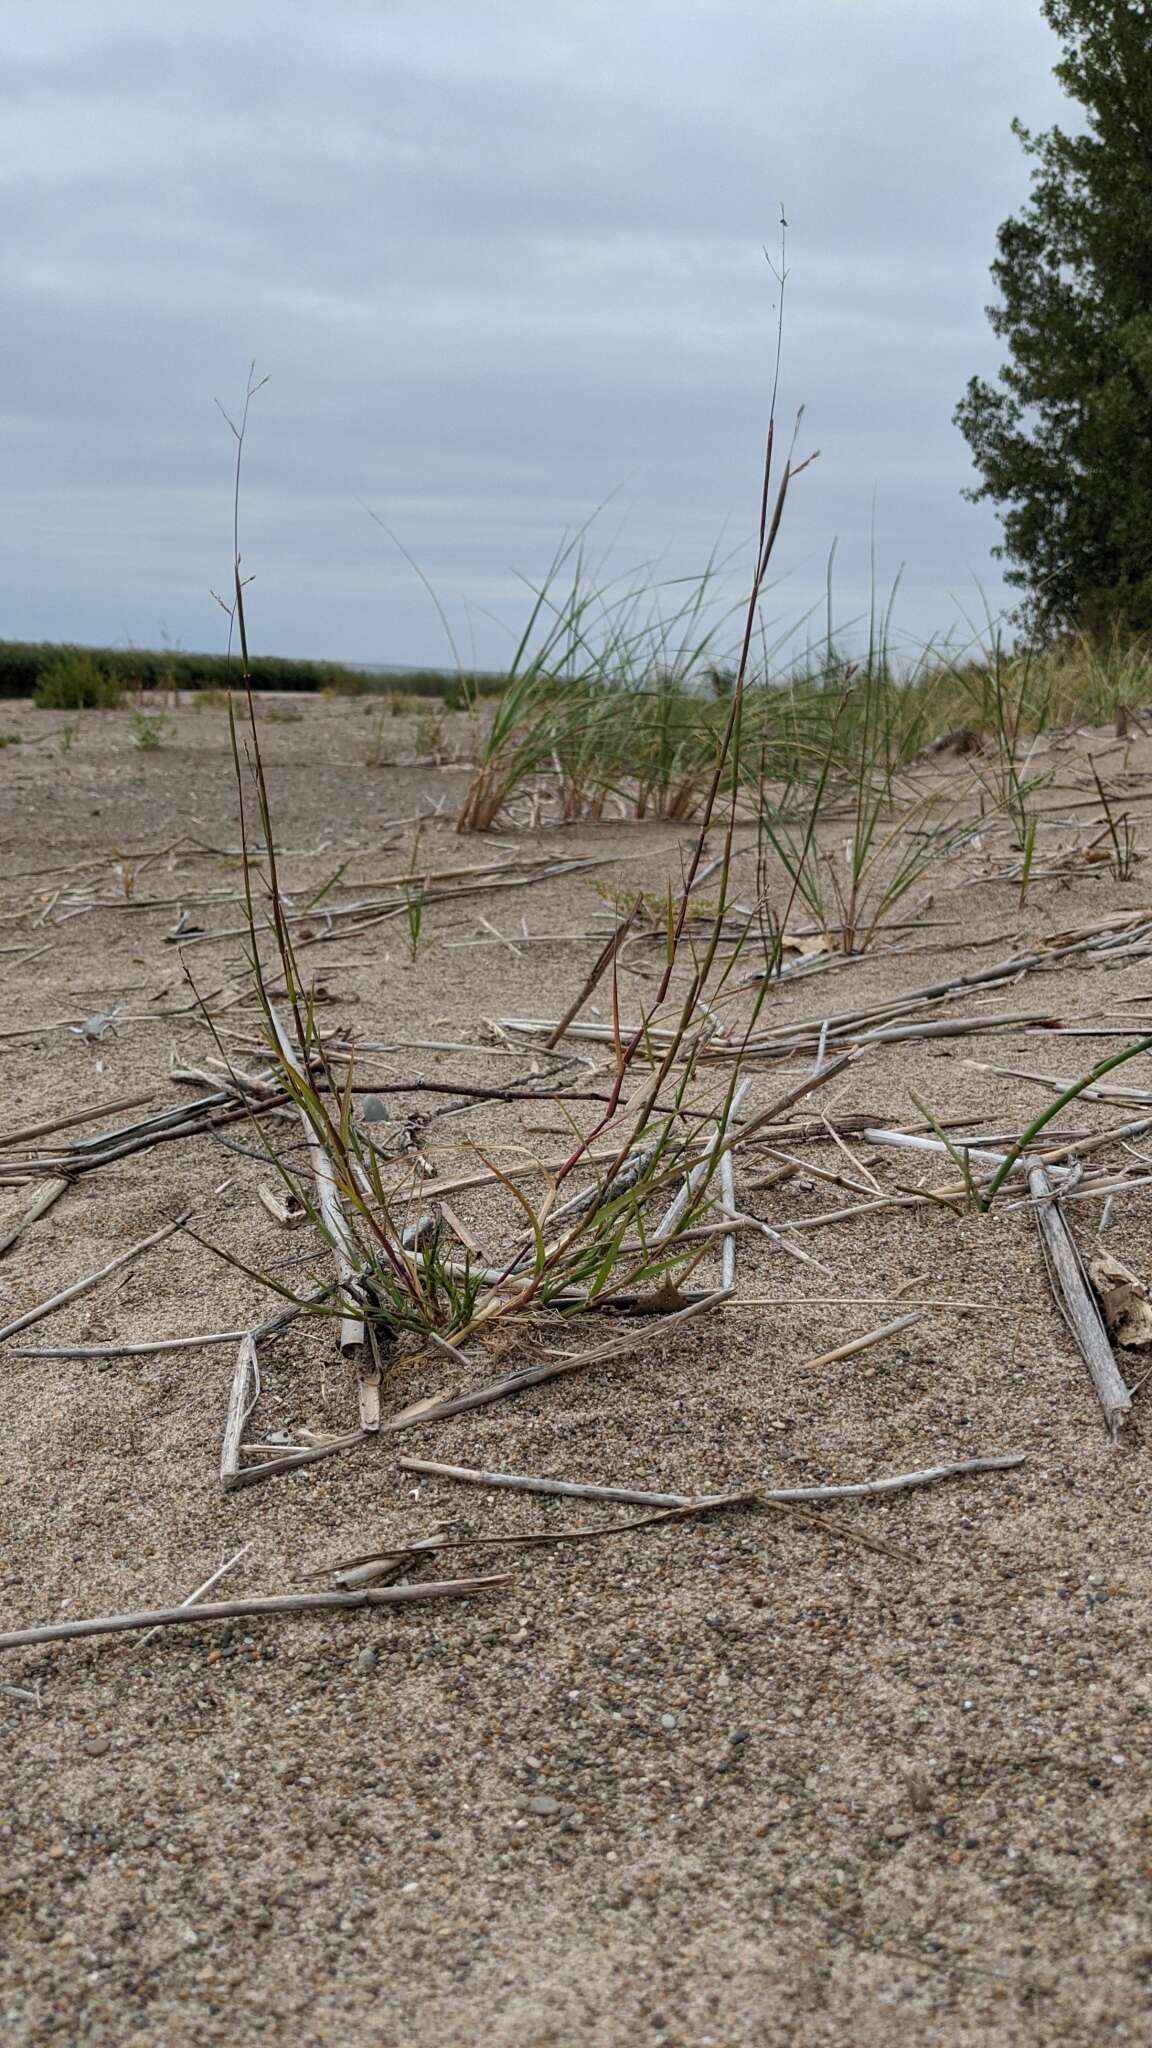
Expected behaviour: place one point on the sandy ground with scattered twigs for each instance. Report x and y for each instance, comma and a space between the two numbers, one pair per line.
722, 1781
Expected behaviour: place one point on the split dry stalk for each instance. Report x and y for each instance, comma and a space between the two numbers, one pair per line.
245, 1393
1078, 1302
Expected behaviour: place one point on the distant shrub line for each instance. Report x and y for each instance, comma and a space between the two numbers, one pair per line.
31, 668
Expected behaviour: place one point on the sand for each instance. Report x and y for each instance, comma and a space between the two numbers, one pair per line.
725, 1782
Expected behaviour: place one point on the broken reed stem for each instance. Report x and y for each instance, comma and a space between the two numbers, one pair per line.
90, 1280
863, 1343
681, 1202
328, 1199
229, 1610
242, 1400
368, 1377
39, 1206
151, 1347
728, 1210
251, 1475
80, 1116
213, 1579
600, 968
898, 1482
536, 1375
1079, 1303
986, 1308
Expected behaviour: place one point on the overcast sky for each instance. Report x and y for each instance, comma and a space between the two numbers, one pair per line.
502, 262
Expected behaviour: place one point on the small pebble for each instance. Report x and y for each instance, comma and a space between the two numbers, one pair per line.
366, 1660
542, 1803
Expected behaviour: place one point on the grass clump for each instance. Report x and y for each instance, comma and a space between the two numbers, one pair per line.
148, 732
76, 681
398, 1274
603, 698
573, 1250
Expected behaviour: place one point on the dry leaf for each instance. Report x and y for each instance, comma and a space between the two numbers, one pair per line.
1124, 1300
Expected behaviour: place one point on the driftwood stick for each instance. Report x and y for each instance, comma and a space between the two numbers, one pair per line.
37, 1207
241, 1401
864, 1343
1079, 1303
79, 1287
636, 1497
228, 1610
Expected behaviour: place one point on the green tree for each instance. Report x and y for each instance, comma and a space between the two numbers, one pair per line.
1063, 439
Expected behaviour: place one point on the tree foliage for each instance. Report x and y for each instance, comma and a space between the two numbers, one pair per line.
1063, 439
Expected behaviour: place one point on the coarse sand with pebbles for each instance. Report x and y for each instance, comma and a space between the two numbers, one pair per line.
730, 1780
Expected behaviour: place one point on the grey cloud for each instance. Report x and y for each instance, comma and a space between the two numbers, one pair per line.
503, 264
